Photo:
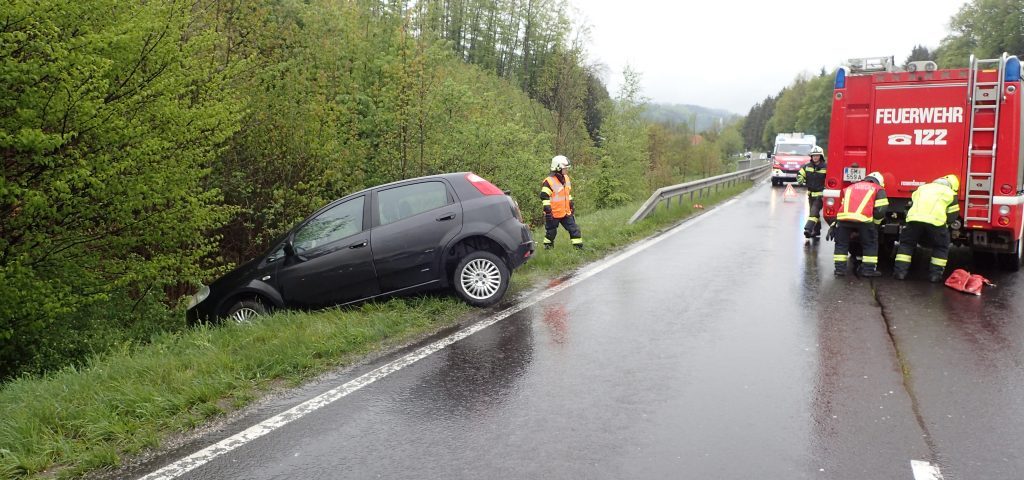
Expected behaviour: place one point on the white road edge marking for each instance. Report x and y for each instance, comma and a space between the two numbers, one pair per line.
925, 471
207, 454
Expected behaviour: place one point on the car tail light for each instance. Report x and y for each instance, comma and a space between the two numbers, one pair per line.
515, 209
1006, 189
830, 201
830, 212
1004, 210
1004, 221
485, 187
832, 183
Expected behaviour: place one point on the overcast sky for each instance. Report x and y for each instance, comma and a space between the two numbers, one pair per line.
730, 54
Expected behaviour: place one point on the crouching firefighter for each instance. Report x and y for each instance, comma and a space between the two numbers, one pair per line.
813, 176
862, 209
559, 208
933, 207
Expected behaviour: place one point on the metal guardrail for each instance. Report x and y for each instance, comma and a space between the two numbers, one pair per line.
666, 194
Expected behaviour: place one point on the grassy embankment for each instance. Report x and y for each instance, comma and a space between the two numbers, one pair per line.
76, 421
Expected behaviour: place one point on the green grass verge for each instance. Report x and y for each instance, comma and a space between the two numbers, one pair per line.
79, 420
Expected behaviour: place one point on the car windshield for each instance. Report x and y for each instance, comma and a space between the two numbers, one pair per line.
793, 149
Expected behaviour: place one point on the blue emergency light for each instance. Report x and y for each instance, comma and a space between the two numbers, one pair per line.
841, 78
1012, 69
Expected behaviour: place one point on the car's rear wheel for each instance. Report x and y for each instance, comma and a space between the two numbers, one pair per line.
481, 278
246, 311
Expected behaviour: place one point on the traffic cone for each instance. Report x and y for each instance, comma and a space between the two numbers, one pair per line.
790, 193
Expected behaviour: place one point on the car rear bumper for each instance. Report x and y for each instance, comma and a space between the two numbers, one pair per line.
521, 255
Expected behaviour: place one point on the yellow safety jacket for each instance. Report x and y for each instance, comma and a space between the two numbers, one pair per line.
933, 204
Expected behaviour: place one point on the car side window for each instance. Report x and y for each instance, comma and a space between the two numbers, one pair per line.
406, 201
338, 222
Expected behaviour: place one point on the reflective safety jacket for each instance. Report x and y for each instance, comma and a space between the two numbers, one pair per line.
863, 202
813, 177
934, 204
556, 196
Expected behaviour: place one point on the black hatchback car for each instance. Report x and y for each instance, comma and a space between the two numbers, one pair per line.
454, 230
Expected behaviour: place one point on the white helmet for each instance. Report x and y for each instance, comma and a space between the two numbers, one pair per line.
559, 162
878, 178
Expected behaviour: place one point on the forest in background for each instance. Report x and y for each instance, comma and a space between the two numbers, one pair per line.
984, 28
150, 146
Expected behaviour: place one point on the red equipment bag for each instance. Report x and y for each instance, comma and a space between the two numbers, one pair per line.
962, 280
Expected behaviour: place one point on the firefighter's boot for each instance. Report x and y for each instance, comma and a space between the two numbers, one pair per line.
869, 270
899, 271
840, 269
935, 274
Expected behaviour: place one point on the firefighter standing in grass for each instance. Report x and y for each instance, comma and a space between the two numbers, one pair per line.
559, 208
862, 210
933, 207
813, 176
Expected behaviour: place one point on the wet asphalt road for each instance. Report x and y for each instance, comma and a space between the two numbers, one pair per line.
725, 351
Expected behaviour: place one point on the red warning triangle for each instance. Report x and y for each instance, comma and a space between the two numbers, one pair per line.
790, 193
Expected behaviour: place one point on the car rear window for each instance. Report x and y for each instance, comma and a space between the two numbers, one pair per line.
408, 200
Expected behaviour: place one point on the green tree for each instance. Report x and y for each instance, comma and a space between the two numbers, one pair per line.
110, 115
623, 163
729, 142
985, 29
815, 111
918, 54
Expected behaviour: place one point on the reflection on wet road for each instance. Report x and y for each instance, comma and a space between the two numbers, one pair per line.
727, 350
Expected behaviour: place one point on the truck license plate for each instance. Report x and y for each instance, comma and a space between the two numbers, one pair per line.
851, 174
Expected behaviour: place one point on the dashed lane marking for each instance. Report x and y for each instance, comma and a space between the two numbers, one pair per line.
925, 471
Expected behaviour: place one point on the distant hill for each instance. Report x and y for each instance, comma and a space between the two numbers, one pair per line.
706, 117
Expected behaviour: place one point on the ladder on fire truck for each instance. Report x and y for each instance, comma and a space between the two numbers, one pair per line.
981, 159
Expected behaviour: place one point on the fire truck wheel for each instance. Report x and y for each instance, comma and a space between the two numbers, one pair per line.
775, 183
1011, 261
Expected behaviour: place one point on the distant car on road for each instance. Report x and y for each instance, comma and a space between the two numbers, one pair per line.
454, 230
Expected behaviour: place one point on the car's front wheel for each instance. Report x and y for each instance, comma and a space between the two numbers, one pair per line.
245, 311
481, 278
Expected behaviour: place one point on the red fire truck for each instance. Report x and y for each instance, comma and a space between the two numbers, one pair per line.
917, 125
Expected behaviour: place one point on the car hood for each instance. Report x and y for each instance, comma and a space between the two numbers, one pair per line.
239, 276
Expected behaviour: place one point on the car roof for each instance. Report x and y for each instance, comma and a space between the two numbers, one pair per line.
446, 176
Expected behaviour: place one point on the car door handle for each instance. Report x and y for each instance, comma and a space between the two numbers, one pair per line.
358, 245
446, 217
